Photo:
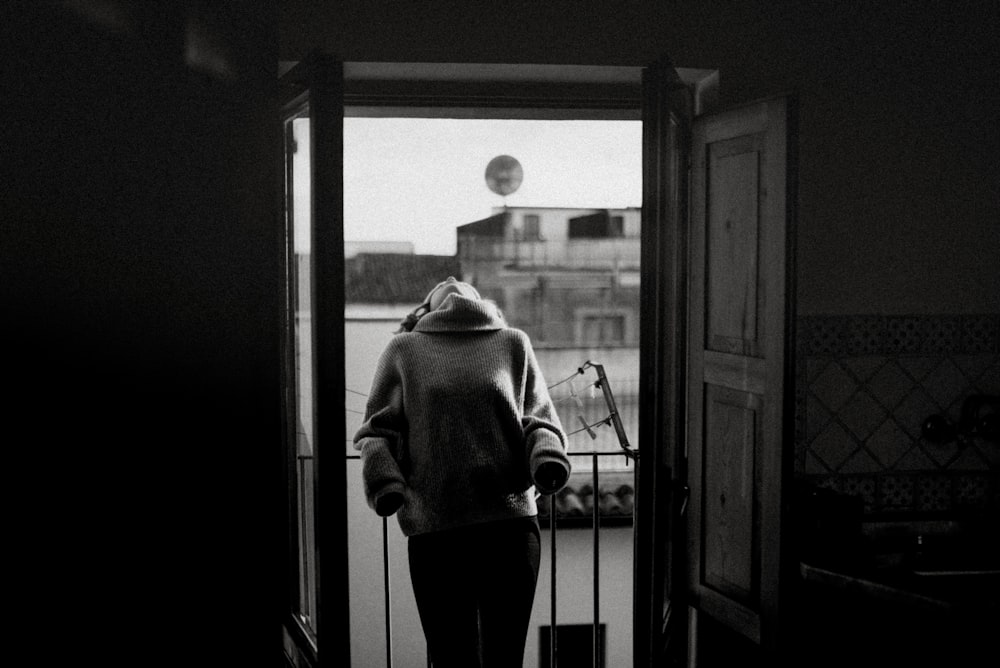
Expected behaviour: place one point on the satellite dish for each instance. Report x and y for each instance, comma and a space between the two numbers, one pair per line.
504, 175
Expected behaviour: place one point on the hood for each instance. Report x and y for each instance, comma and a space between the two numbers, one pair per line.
462, 314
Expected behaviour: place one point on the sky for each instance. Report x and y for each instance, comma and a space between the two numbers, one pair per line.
408, 179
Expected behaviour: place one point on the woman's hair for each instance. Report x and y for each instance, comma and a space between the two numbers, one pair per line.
410, 321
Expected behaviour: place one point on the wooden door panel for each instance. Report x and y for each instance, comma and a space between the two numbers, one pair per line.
737, 362
729, 532
732, 242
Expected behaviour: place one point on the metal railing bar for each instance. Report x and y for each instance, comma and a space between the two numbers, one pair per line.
388, 592
553, 658
597, 561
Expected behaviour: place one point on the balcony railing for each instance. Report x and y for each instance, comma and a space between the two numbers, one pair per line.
579, 506
598, 500
590, 254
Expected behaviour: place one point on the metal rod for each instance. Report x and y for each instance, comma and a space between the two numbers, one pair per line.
388, 594
597, 562
553, 657
616, 420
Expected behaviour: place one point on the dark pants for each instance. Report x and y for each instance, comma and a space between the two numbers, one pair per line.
474, 588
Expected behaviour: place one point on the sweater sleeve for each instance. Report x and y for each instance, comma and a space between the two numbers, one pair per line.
544, 436
380, 437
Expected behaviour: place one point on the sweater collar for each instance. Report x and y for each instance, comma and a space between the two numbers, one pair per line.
462, 314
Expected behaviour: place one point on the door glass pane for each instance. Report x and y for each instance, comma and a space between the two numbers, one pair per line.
300, 340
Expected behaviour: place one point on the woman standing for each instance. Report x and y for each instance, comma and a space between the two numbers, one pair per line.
459, 433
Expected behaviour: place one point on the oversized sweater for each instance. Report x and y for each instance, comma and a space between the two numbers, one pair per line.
459, 420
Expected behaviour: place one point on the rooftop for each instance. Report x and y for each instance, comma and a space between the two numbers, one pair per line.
395, 278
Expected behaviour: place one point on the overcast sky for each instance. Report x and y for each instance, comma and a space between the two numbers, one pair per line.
418, 179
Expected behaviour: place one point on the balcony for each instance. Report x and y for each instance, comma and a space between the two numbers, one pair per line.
585, 577
590, 254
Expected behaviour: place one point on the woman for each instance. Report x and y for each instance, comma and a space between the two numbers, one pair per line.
459, 433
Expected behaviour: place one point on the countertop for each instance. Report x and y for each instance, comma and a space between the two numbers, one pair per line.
948, 592
929, 567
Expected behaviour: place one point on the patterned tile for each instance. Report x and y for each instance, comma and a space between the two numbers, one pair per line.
918, 367
862, 415
933, 493
815, 366
861, 461
889, 443
817, 417
833, 446
988, 381
863, 366
913, 410
895, 492
941, 335
824, 336
942, 454
861, 486
890, 384
865, 385
864, 335
915, 460
980, 333
904, 334
833, 483
834, 387
976, 458
970, 490
973, 365
814, 465
945, 383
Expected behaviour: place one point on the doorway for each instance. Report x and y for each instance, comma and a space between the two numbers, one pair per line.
418, 206
667, 105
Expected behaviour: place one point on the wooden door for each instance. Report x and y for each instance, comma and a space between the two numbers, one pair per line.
738, 363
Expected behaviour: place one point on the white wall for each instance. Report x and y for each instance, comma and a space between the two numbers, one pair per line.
365, 339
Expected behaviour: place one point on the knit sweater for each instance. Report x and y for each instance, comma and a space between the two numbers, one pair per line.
459, 420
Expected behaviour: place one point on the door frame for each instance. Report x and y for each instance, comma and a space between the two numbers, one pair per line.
572, 92
660, 618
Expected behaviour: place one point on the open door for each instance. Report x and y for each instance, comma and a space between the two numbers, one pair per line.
660, 612
738, 364
312, 349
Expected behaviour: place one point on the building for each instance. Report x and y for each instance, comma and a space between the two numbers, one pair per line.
567, 277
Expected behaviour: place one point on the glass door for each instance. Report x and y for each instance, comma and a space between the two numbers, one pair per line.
312, 119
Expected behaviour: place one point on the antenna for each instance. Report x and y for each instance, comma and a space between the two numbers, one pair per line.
503, 176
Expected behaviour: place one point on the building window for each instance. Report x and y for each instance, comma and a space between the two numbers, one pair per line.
574, 646
598, 225
616, 226
594, 329
532, 227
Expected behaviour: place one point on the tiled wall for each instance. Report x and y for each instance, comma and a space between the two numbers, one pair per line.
865, 384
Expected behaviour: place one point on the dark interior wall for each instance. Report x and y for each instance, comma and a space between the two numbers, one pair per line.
141, 296
898, 190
